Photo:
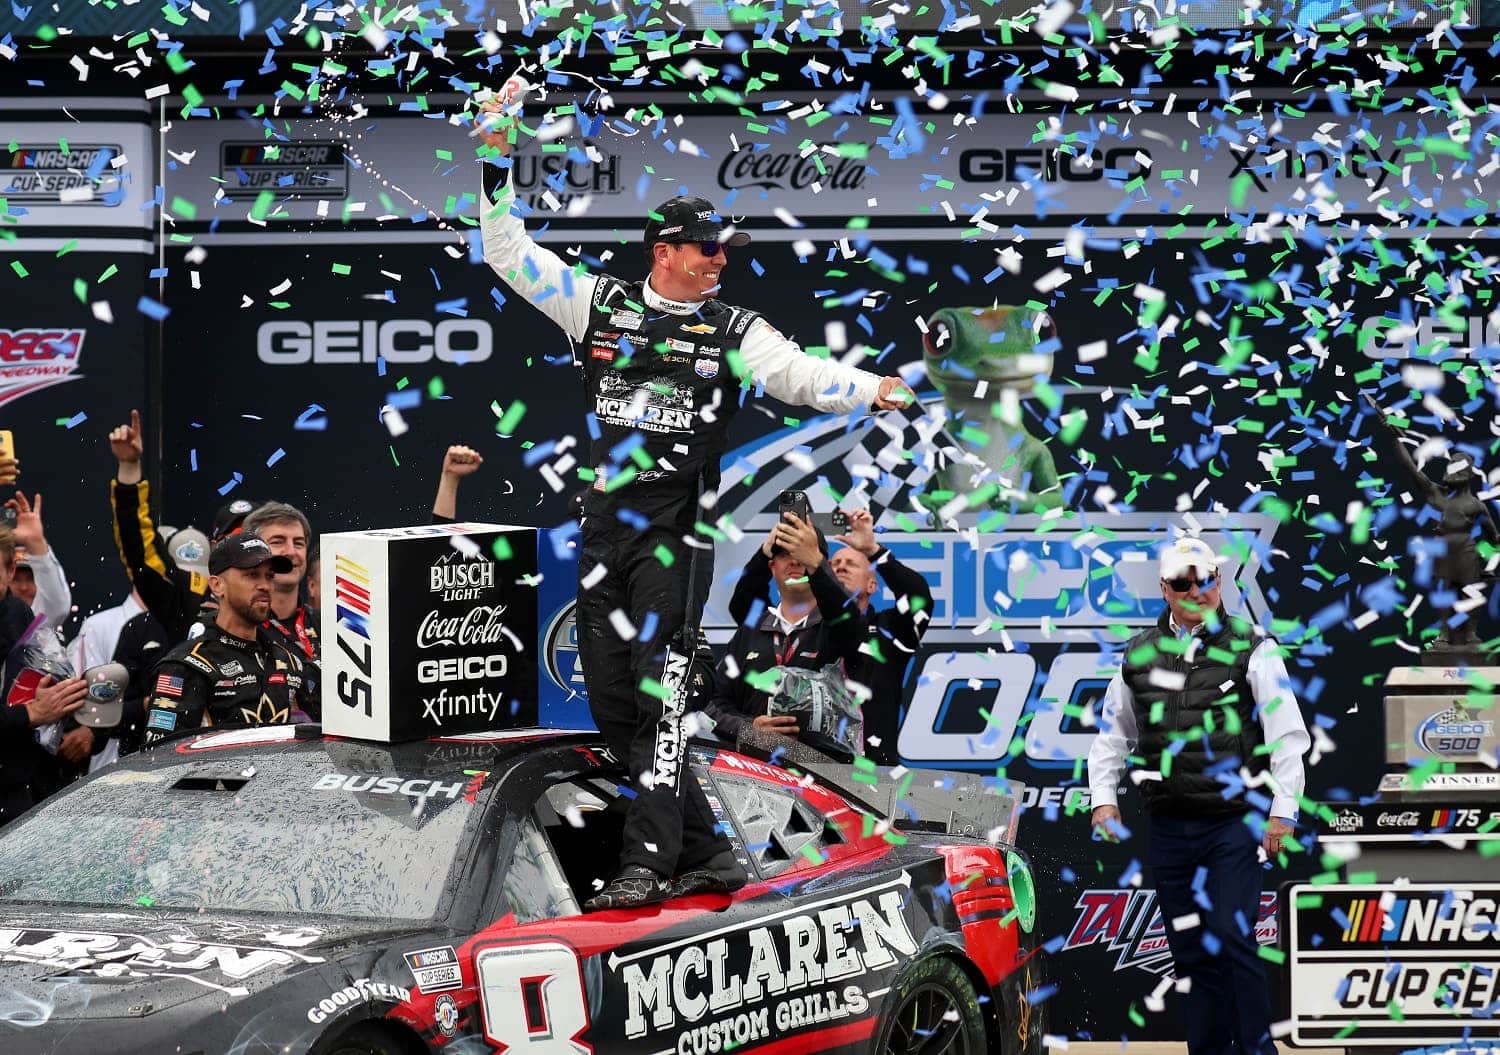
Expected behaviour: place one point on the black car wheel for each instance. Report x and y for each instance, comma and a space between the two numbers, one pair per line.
367, 1038
933, 1011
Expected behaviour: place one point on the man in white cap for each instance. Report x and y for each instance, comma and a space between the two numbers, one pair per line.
1200, 697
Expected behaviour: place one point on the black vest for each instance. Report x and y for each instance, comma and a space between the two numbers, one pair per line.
1212, 716
652, 375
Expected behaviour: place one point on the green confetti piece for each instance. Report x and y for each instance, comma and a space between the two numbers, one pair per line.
502, 549
19, 268
1274, 955
511, 418
263, 202
341, 269
652, 687
666, 556
435, 388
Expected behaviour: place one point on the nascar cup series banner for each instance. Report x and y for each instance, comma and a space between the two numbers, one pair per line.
1172, 387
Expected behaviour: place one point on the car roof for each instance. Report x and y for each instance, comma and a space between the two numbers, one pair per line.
436, 756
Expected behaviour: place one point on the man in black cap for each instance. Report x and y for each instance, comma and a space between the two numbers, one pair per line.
665, 364
173, 591
237, 672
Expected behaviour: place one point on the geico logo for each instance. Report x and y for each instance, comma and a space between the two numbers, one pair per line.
1385, 338
291, 343
1015, 164
460, 668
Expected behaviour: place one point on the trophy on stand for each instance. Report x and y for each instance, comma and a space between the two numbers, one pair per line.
1440, 714
1459, 569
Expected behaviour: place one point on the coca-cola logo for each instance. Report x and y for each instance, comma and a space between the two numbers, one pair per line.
1407, 819
786, 170
481, 625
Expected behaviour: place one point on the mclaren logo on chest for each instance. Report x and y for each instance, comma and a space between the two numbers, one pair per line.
792, 958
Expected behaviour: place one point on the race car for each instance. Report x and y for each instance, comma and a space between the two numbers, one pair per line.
278, 890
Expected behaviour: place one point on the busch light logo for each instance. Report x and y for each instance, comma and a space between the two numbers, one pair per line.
1452, 732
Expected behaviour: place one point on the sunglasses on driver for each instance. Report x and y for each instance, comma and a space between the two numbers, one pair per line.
1185, 585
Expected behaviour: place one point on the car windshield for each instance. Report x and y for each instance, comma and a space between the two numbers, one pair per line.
276, 834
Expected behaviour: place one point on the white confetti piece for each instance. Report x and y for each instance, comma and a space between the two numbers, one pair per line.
594, 577
394, 423
1170, 680
102, 311
622, 625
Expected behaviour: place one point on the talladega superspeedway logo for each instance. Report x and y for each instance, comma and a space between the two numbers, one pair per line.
1061, 587
1130, 922
33, 359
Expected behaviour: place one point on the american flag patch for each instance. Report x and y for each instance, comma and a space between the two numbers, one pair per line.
167, 685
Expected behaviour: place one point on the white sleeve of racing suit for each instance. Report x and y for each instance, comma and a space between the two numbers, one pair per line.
54, 599
538, 274
793, 376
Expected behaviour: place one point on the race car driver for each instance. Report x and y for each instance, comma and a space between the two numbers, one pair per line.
237, 672
664, 362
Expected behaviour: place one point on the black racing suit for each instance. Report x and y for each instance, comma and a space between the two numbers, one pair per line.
891, 637
174, 595
222, 680
663, 380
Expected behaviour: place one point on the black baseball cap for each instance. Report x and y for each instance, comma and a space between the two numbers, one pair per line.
245, 551
230, 517
689, 220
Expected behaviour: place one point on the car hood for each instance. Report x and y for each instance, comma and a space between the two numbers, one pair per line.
101, 965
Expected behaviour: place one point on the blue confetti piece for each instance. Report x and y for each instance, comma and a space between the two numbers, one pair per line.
152, 309
193, 459
229, 485
311, 419
76, 420
275, 457
247, 18
406, 399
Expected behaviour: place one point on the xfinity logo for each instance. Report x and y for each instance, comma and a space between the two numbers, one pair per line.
1019, 164
750, 166
461, 705
293, 343
465, 668
1298, 163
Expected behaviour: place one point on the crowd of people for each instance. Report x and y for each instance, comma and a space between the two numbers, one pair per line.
220, 627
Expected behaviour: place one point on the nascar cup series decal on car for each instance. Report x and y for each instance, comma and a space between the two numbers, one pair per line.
435, 970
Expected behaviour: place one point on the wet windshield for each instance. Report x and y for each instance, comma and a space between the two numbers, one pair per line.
288, 835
